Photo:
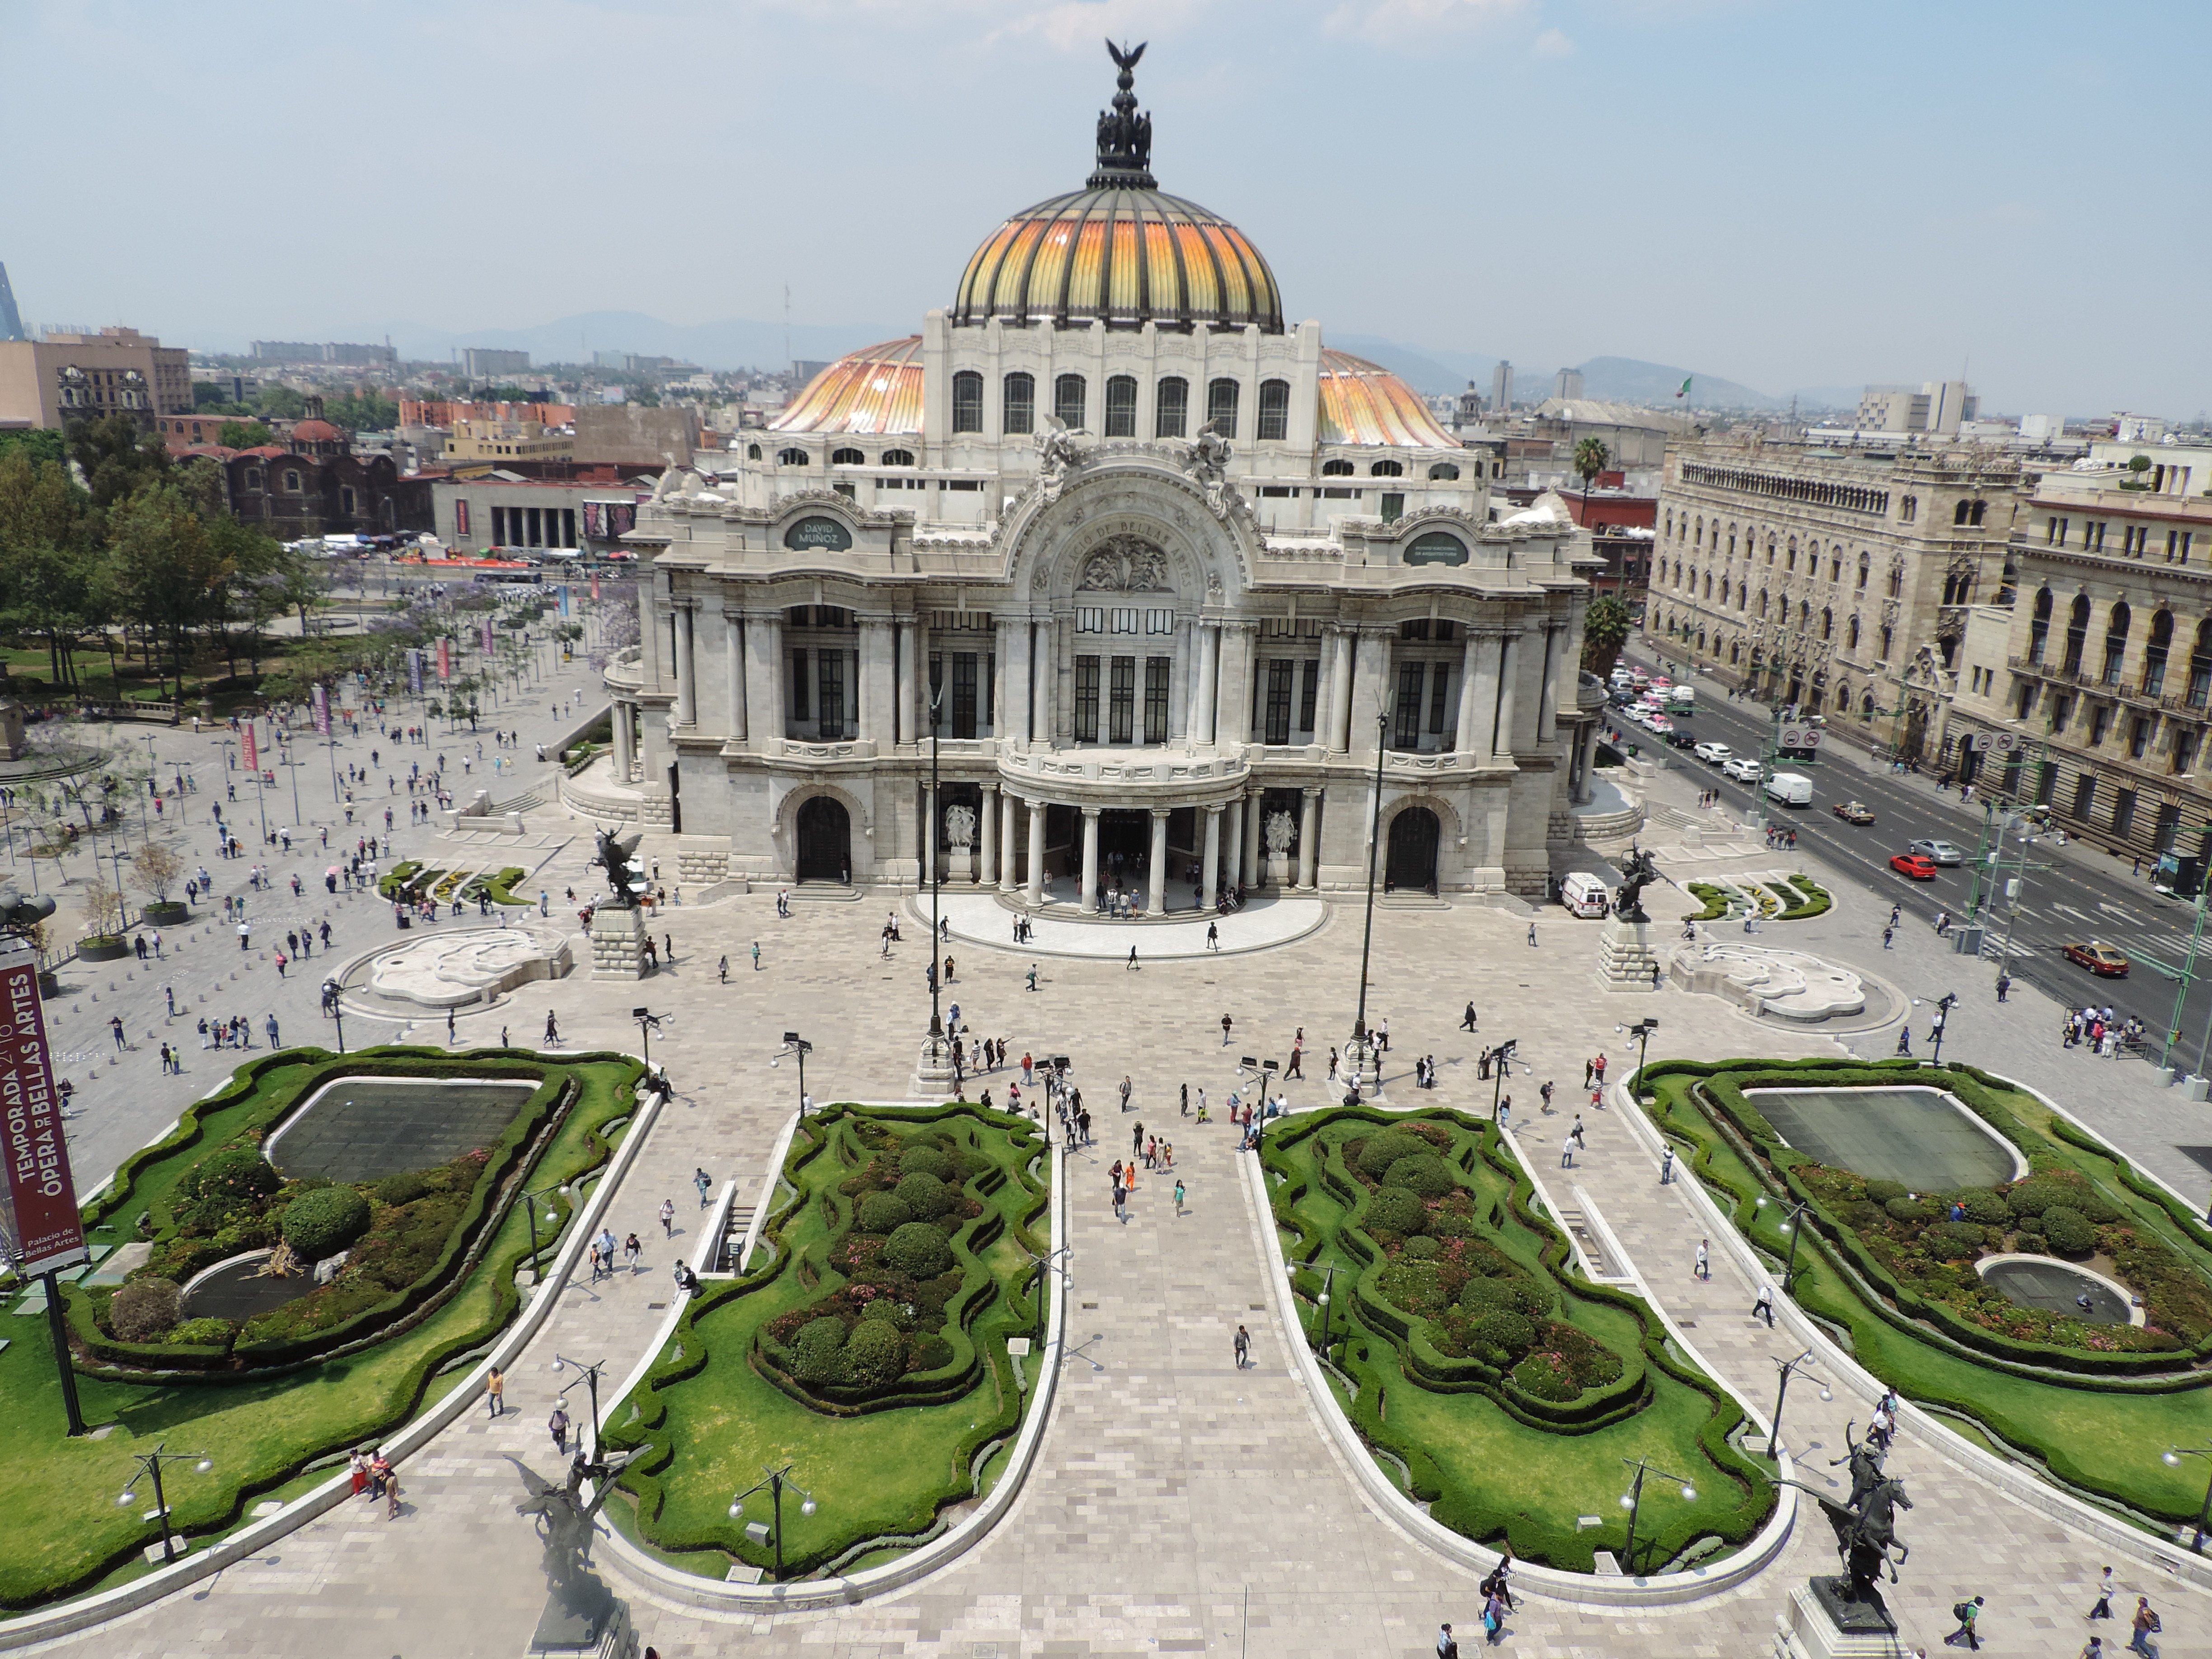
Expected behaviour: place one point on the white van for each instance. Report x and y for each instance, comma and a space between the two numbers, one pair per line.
1682, 699
1584, 895
1790, 788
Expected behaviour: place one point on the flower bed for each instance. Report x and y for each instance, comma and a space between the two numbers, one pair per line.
868, 1347
1508, 1388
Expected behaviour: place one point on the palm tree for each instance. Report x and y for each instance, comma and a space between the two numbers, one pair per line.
1592, 457
1606, 628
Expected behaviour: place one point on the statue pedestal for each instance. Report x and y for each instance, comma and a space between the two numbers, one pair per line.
932, 1071
1821, 1623
617, 943
1625, 956
587, 1620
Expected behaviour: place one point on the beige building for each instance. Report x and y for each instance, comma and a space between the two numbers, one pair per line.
1839, 579
501, 441
2105, 669
66, 378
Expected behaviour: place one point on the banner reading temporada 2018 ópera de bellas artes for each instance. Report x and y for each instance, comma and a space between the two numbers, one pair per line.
43, 1231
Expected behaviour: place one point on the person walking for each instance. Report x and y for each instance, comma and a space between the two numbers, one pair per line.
1904, 1042
270, 1026
632, 1250
2105, 1587
552, 1030
115, 1027
557, 1426
756, 955
704, 1182
722, 967
1125, 1094
1466, 1019
1131, 962
1762, 1306
2146, 1626
1532, 935
1447, 1645
1178, 1196
1703, 1268
1032, 985
1888, 934
1213, 936
495, 1391
668, 1218
1965, 1613
1666, 1166
1242, 1345
2004, 986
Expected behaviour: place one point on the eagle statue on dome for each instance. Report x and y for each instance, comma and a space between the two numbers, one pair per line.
1125, 136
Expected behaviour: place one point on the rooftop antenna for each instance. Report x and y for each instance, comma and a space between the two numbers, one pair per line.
786, 323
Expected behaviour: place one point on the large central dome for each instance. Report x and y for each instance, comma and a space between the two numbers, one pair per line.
1120, 249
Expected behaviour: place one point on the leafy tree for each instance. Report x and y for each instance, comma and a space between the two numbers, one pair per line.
39, 443
208, 399
367, 410
279, 402
103, 913
116, 457
245, 435
47, 532
155, 868
1604, 630
1592, 457
166, 567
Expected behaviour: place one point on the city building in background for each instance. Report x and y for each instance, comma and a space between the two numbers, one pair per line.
11, 320
504, 442
63, 377
481, 362
349, 356
1933, 407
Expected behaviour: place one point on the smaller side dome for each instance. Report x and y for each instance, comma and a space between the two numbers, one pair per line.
875, 389
1364, 403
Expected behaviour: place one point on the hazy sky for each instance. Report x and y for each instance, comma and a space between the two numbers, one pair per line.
1784, 195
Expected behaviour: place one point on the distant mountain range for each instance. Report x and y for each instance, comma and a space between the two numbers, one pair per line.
1611, 380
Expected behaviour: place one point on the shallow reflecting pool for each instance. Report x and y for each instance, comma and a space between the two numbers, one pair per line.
1926, 1137
363, 1129
2054, 1287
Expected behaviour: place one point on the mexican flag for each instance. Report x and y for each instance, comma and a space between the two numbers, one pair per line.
1683, 391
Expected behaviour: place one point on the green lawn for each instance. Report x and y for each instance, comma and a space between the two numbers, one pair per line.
881, 1457
2101, 1433
1498, 1458
66, 1531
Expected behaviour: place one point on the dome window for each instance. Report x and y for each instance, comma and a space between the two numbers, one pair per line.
1274, 411
898, 458
1386, 470
847, 458
1122, 406
791, 457
1067, 400
1171, 407
967, 401
1443, 471
1339, 468
1221, 407
1017, 401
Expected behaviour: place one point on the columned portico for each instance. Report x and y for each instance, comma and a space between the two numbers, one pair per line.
986, 866
1156, 891
1036, 853
1088, 899
1308, 813
687, 678
1010, 879
1210, 862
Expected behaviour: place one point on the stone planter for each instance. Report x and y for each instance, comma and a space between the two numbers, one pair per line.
101, 950
168, 914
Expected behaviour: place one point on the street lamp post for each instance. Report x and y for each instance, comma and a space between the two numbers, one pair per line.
1641, 1032
795, 1044
776, 1481
1501, 1062
530, 1214
2172, 1460
937, 879
648, 1024
1328, 1284
1944, 1004
1633, 1501
591, 1375
1360, 1046
1789, 1367
149, 1463
1792, 1224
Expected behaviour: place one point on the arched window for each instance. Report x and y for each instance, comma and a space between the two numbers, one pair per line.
1017, 402
291, 482
1735, 652
898, 458
1724, 593
1975, 516
1897, 579
2077, 632
2116, 642
1171, 407
1889, 638
1670, 523
1866, 565
1852, 634
1762, 604
1442, 470
1337, 469
1909, 508
791, 457
752, 451
1804, 614
1790, 564
1835, 563
1708, 584
2200, 667
967, 401
1067, 400
2155, 651
2039, 625
1221, 407
847, 458
1731, 541
1866, 707
1120, 406
1275, 413
1827, 623
1959, 513
1693, 577
1698, 539
1742, 594
1770, 547
1843, 698
1386, 470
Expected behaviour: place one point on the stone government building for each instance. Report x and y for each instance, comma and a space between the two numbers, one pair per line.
1165, 568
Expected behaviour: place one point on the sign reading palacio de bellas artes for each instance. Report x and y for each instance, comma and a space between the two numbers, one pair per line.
39, 1219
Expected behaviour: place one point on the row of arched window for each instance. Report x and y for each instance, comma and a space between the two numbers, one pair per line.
2119, 624
1070, 402
846, 456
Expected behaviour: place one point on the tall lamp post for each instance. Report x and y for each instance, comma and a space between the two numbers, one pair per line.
1789, 1367
1944, 1004
530, 1213
795, 1044
1360, 1046
1633, 1501
2173, 1460
1501, 1062
590, 1376
774, 1485
1328, 1284
150, 1464
1641, 1032
1792, 1224
648, 1024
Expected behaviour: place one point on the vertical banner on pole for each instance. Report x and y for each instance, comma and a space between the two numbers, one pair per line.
415, 672
321, 701
42, 1228
564, 599
487, 636
252, 750
445, 659
595, 587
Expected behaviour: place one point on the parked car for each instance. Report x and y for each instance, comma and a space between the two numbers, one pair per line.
1658, 725
1714, 754
2101, 959
1913, 865
1938, 852
1743, 769
1790, 788
1854, 811
1678, 738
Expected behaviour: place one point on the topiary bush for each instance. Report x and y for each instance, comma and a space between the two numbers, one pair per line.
401, 1189
1394, 1210
1547, 1376
1506, 1330
1384, 1150
1482, 1296
875, 1354
2068, 1231
1910, 1210
884, 1212
890, 1313
210, 1332
1880, 1191
818, 1355
322, 1223
1422, 1248
238, 1174
1985, 1207
923, 1158
1425, 1173
144, 1309
1952, 1241
918, 1249
924, 1196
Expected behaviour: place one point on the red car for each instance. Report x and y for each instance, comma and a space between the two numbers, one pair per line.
1913, 865
2100, 958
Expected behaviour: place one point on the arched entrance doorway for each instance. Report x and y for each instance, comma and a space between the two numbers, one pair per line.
825, 840
1413, 862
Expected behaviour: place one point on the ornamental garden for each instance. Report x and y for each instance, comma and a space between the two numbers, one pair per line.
315, 1253
1992, 1260
1506, 1391
866, 1349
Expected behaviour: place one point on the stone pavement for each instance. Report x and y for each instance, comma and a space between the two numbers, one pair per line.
980, 919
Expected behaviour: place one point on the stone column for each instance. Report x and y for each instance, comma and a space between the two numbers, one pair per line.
1036, 852
687, 677
1088, 899
1309, 830
1209, 681
1547, 701
1376, 693
928, 835
1233, 844
874, 682
1232, 720
1009, 878
1156, 895
909, 732
987, 862
625, 743
1586, 774
1339, 691
1509, 670
1470, 706
1210, 860
649, 613
1255, 804
733, 642
919, 675
1011, 718
1044, 678
764, 668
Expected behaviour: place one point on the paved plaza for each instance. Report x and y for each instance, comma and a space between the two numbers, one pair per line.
1178, 1505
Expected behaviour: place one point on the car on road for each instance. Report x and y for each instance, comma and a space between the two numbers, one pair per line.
1937, 852
1678, 738
1714, 754
1743, 769
1659, 726
1854, 811
1913, 865
2105, 960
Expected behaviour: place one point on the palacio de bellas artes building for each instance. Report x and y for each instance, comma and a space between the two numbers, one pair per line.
1165, 568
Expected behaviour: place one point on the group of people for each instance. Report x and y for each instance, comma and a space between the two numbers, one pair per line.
1497, 1601
373, 1478
2106, 1036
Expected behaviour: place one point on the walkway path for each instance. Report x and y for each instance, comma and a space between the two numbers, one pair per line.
980, 919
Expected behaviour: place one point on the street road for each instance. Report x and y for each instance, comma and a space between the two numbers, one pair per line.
2068, 895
